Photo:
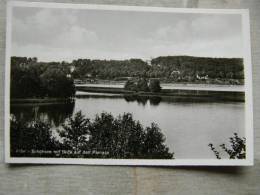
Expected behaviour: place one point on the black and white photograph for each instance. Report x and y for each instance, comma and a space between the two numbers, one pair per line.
127, 85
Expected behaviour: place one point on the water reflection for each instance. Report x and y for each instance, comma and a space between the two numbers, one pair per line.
55, 113
140, 99
154, 100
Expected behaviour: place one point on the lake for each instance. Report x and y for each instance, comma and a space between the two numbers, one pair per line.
188, 127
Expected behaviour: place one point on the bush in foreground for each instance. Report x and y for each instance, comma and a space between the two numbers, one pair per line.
104, 137
27, 138
237, 150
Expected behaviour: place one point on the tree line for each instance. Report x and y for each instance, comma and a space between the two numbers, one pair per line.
166, 68
104, 137
32, 79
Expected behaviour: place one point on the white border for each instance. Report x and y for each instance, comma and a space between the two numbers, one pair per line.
155, 162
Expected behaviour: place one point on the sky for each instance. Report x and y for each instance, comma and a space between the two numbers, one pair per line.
53, 34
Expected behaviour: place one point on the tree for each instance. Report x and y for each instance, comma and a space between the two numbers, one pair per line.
104, 137
25, 80
154, 147
30, 78
123, 137
35, 135
75, 133
142, 85
154, 85
237, 150
102, 134
130, 85
129, 136
57, 84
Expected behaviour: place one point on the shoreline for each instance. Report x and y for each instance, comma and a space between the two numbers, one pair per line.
176, 86
236, 96
41, 100
176, 94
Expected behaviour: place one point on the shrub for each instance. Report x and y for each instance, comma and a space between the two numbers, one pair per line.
142, 85
130, 85
237, 150
154, 85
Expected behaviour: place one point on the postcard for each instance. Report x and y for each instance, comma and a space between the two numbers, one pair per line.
127, 85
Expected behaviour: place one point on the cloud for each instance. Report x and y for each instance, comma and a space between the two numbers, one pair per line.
210, 27
76, 36
206, 35
66, 34
172, 33
42, 27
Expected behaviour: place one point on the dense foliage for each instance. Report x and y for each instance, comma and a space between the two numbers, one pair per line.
167, 68
75, 132
190, 67
154, 85
104, 137
130, 85
30, 79
237, 149
142, 84
26, 138
109, 69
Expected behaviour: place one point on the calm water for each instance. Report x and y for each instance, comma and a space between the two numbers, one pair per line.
188, 127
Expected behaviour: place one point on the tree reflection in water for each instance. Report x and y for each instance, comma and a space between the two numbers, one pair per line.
54, 113
154, 100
